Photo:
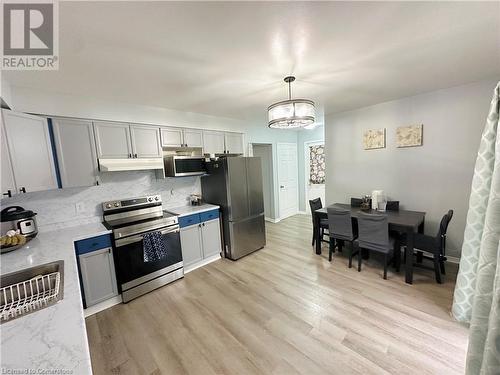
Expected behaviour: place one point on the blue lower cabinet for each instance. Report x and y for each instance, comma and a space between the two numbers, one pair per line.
97, 269
186, 221
209, 215
92, 244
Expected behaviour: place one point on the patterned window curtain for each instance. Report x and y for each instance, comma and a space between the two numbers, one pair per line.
477, 291
317, 164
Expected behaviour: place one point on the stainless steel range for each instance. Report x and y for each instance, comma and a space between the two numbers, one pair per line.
130, 220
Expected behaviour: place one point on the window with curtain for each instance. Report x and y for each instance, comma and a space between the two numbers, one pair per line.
317, 164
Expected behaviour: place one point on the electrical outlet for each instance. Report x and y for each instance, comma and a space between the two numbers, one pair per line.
80, 207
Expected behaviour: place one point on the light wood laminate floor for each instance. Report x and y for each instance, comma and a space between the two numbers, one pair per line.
284, 310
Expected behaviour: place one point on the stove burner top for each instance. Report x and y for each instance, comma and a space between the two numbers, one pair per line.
133, 220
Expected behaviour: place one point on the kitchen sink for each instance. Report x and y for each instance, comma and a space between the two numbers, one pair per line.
31, 289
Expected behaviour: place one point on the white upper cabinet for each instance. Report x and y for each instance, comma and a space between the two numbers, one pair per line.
76, 155
171, 137
213, 142
193, 138
178, 137
145, 141
30, 151
8, 184
113, 140
234, 143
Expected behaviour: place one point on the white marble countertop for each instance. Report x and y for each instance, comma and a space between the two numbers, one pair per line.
189, 210
54, 338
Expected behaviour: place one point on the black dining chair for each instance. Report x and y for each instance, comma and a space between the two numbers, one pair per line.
356, 202
341, 230
392, 206
433, 247
315, 204
373, 235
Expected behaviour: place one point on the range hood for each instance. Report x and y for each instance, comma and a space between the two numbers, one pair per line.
115, 165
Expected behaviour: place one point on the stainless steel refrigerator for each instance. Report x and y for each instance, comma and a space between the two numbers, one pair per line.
235, 184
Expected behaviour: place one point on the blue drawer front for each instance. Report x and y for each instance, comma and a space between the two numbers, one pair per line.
92, 244
186, 221
209, 215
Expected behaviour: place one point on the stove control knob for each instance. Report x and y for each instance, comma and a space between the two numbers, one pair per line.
108, 205
156, 198
150, 199
117, 204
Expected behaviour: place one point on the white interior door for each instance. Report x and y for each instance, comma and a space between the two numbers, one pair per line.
287, 179
315, 171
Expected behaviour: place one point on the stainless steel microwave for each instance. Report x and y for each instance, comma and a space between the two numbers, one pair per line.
179, 166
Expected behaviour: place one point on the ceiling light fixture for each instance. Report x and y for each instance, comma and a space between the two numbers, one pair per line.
291, 113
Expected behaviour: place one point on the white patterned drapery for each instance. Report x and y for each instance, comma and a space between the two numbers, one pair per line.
477, 291
317, 164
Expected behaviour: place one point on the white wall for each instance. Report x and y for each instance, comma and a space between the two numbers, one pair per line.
432, 178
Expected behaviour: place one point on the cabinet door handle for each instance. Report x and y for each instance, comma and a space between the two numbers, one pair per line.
203, 224
129, 155
22, 190
8, 193
135, 156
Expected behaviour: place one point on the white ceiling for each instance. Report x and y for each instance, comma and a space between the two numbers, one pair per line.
229, 59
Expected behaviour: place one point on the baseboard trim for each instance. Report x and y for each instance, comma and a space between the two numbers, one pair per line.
453, 259
271, 220
89, 311
202, 263
303, 213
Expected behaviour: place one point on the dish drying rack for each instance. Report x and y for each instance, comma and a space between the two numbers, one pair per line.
28, 296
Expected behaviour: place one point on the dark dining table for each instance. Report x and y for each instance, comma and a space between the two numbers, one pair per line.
402, 221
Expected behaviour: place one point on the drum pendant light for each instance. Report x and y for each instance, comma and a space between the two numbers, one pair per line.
291, 113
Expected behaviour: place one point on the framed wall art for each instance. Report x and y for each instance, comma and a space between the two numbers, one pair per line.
409, 136
373, 139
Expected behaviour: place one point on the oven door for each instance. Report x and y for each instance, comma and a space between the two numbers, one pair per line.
132, 270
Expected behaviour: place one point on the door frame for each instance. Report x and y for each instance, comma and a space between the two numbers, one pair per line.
274, 178
306, 167
277, 178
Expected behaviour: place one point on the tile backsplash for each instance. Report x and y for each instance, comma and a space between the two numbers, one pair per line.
58, 208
